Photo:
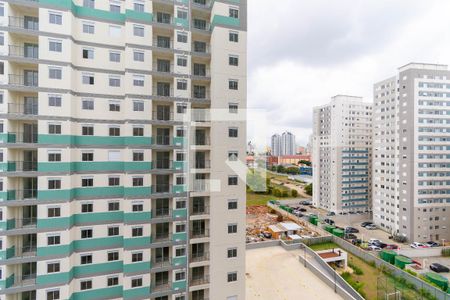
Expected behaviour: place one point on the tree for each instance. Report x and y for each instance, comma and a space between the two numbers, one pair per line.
292, 170
281, 169
308, 189
304, 162
294, 193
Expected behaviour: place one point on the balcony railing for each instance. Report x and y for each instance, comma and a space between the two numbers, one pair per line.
201, 115
22, 166
198, 257
200, 185
205, 26
162, 43
161, 212
163, 92
24, 194
162, 116
26, 251
198, 280
200, 95
20, 80
161, 188
26, 52
162, 19
164, 140
25, 280
163, 164
23, 23
161, 237
161, 286
202, 164
199, 210
196, 234
161, 262
201, 3
201, 141
25, 223
200, 47
22, 137
23, 109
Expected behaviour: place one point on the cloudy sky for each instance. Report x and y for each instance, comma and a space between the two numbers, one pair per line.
302, 52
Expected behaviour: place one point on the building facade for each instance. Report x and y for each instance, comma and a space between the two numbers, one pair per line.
287, 143
342, 149
275, 144
120, 122
411, 161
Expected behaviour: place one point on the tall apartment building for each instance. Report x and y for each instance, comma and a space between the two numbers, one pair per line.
411, 163
275, 142
287, 143
120, 122
342, 149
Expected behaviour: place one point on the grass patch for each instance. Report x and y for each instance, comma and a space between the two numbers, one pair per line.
324, 246
254, 199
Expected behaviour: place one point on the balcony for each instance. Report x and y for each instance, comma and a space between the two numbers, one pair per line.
23, 109
162, 18
198, 234
26, 251
27, 23
22, 138
200, 48
22, 166
23, 81
161, 262
25, 280
201, 25
200, 185
199, 280
163, 115
161, 237
161, 212
31, 52
163, 43
163, 164
161, 188
22, 194
199, 210
201, 141
202, 164
24, 223
161, 286
163, 140
199, 257
200, 115
201, 4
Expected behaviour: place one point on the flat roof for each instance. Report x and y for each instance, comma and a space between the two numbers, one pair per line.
275, 273
290, 226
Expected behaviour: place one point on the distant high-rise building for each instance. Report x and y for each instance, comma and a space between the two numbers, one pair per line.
276, 144
342, 146
287, 143
411, 161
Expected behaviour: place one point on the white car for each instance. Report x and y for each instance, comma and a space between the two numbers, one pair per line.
371, 227
417, 245
374, 248
373, 241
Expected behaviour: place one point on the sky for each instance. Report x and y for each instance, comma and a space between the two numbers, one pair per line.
303, 52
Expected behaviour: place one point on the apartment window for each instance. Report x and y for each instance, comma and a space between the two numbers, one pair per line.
114, 131
54, 128
2, 68
87, 104
86, 285
113, 206
113, 255
88, 78
114, 81
180, 132
138, 156
180, 180
114, 106
233, 132
180, 156
87, 130
182, 37
181, 84
180, 251
114, 31
87, 182
233, 36
138, 80
138, 181
232, 155
182, 297
136, 207
232, 228
138, 256
86, 233
55, 18
180, 276
137, 231
89, 28
233, 13
138, 6
138, 105
180, 228
112, 281
54, 184
53, 295
86, 259
138, 56
87, 156
182, 14
138, 30
113, 181
232, 204
114, 7
114, 56
113, 230
138, 131
53, 212
233, 84
2, 39
54, 73
182, 61
180, 204
232, 180
53, 267
87, 207
55, 46
233, 60
233, 108
181, 108
54, 100
54, 156
89, 3
136, 282
232, 276
88, 53
53, 240
232, 252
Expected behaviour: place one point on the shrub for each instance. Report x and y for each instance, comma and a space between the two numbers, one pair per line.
276, 192
446, 252
294, 193
308, 189
411, 272
357, 270
284, 194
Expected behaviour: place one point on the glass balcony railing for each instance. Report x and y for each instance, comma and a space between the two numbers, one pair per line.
25, 52
27, 23
23, 109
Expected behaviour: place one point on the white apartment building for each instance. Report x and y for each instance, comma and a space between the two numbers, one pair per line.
275, 144
120, 122
411, 161
287, 143
342, 153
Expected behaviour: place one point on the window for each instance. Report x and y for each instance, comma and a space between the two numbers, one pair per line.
137, 231
54, 128
180, 180
89, 3
180, 156
53, 267
138, 80
2, 68
114, 7
53, 240
87, 104
113, 230
54, 100
232, 204
181, 108
86, 259
182, 37
232, 277
138, 131
112, 281
87, 207
114, 155
180, 204
182, 61
182, 14
180, 228
114, 31
232, 180
88, 53
54, 73
138, 156
232, 228
114, 56
232, 155
87, 130
86, 233
53, 212
233, 60
55, 46
233, 132
88, 78
138, 6
54, 156
138, 30
232, 252
138, 181
86, 285
181, 84
87, 182
233, 13
138, 56
2, 38
138, 105
233, 84
113, 255
138, 256
180, 252
87, 156
89, 28
53, 295
180, 276
136, 282
113, 181
137, 207
114, 206
233, 36
54, 184
114, 81
55, 18
114, 106
114, 131
233, 108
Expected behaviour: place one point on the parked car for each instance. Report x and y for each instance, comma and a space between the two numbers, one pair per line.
392, 247
351, 230
432, 244
303, 209
329, 221
439, 268
372, 241
356, 241
371, 227
374, 248
331, 213
380, 244
305, 202
364, 224
350, 236
417, 245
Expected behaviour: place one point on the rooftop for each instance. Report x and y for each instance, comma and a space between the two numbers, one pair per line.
423, 66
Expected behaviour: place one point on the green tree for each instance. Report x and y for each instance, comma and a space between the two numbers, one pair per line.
308, 189
304, 162
294, 193
281, 169
292, 170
